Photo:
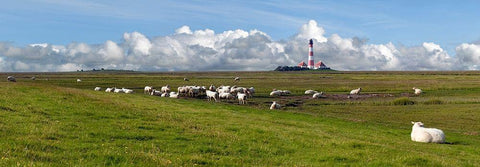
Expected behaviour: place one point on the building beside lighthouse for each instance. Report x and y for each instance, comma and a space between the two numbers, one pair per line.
311, 63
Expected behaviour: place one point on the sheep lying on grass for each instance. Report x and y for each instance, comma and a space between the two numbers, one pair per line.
417, 91
356, 91
317, 95
97, 88
310, 92
426, 135
11, 79
274, 105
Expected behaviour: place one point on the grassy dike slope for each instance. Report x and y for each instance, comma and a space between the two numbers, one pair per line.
46, 125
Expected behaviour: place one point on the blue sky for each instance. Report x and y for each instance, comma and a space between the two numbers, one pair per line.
403, 22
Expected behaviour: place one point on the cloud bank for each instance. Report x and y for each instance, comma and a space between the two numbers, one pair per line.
205, 50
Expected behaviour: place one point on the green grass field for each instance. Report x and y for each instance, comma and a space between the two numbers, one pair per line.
56, 121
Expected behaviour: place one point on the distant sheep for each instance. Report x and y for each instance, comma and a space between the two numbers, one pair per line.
79, 80
426, 135
236, 79
186, 79
317, 95
226, 96
276, 93
173, 95
148, 90
212, 95
97, 88
417, 91
310, 92
109, 90
116, 90
165, 89
242, 98
128, 91
11, 79
155, 93
34, 78
274, 106
356, 91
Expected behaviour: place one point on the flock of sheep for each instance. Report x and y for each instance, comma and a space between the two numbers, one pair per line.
419, 132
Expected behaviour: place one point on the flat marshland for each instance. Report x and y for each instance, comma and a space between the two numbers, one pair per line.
56, 121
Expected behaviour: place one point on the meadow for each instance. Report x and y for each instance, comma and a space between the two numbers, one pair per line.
56, 121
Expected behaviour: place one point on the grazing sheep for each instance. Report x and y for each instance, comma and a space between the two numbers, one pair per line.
225, 96
275, 105
79, 80
186, 79
242, 98
109, 90
212, 95
250, 92
182, 90
173, 95
426, 135
285, 92
165, 89
417, 91
116, 90
310, 92
148, 90
97, 88
212, 88
317, 95
236, 79
276, 93
34, 78
128, 91
156, 93
356, 91
11, 79
193, 91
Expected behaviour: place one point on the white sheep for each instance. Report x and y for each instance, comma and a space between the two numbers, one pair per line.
242, 98
250, 92
212, 88
173, 95
79, 80
11, 79
97, 88
285, 92
226, 96
310, 92
186, 79
116, 90
417, 91
165, 89
109, 89
165, 95
276, 93
128, 91
148, 90
155, 93
275, 105
356, 91
317, 95
236, 79
426, 135
212, 95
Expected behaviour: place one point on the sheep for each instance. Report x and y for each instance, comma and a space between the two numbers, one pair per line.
109, 89
148, 89
212, 87
182, 90
356, 91
285, 92
11, 79
128, 91
276, 93
33, 78
417, 91
116, 90
310, 92
317, 95
185, 79
212, 95
165, 94
250, 91
225, 96
165, 89
236, 79
275, 105
242, 98
79, 80
193, 91
173, 95
97, 88
155, 93
426, 135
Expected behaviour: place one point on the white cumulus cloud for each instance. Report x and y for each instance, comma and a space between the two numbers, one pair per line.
207, 50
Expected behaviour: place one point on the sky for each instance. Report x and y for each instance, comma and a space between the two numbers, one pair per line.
179, 35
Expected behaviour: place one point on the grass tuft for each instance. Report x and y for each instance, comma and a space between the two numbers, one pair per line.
403, 101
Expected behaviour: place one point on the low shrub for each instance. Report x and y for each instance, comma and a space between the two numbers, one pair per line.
403, 101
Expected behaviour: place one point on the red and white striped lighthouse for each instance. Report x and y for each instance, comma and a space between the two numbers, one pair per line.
311, 63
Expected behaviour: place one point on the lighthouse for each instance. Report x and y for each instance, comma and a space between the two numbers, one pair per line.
311, 64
